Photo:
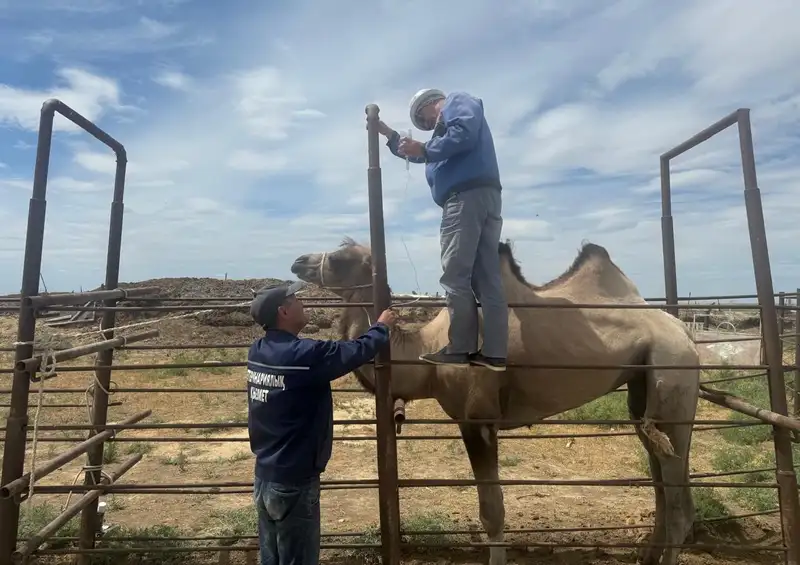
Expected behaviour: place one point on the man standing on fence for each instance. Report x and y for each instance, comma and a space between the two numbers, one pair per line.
290, 419
463, 175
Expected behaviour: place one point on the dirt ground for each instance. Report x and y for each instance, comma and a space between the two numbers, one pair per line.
209, 460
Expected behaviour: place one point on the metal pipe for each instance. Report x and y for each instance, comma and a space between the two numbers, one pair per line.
706, 547
796, 403
438, 437
33, 364
728, 400
369, 421
416, 483
47, 532
73, 298
17, 421
409, 362
420, 304
15, 487
57, 405
399, 414
790, 505
389, 494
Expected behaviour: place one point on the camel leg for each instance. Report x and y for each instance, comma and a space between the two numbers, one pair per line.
672, 395
481, 444
651, 555
637, 403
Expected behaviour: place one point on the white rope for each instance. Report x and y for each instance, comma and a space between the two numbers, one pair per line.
48, 370
403, 241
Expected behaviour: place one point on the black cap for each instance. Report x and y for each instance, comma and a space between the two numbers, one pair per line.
264, 308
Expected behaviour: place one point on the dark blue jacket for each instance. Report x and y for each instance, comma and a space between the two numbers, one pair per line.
460, 155
289, 401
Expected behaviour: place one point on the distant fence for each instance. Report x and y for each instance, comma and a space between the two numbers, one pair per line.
36, 363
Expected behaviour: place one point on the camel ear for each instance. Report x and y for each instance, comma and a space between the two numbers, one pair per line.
367, 261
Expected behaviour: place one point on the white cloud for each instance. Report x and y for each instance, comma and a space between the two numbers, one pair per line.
260, 137
173, 79
88, 94
247, 160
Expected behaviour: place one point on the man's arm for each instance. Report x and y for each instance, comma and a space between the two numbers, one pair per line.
462, 116
341, 357
392, 141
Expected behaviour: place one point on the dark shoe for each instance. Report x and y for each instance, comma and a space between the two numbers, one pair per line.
442, 357
492, 363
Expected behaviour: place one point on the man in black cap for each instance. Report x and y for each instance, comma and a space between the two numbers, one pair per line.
290, 419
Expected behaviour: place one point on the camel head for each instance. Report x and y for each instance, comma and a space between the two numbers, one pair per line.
344, 271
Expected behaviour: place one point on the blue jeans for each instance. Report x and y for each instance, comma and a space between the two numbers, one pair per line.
470, 237
288, 522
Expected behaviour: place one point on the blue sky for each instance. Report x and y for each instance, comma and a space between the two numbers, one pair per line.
244, 127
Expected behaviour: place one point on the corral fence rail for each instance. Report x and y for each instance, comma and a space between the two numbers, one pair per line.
36, 363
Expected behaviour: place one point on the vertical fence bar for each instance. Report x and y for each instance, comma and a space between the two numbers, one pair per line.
89, 516
668, 240
781, 313
773, 345
14, 447
796, 403
384, 405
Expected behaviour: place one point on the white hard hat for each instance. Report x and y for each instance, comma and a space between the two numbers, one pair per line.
421, 99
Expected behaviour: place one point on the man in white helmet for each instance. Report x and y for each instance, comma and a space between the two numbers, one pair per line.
462, 172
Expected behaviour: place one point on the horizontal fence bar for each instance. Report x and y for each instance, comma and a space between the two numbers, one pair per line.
420, 483
409, 362
34, 363
421, 304
183, 439
71, 298
371, 421
57, 405
706, 547
181, 390
563, 530
214, 298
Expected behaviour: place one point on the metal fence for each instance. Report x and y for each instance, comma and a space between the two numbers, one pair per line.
37, 365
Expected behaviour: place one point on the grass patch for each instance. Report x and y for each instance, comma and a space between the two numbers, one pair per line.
235, 523
708, 504
612, 406
181, 460
431, 526
36, 516
510, 461
140, 448
110, 453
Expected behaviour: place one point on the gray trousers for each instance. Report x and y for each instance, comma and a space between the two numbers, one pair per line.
469, 236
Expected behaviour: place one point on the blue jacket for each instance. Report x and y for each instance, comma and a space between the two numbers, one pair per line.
460, 155
289, 401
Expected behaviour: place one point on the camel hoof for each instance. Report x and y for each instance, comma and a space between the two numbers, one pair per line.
497, 556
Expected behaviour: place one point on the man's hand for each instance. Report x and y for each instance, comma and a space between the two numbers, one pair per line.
410, 147
388, 317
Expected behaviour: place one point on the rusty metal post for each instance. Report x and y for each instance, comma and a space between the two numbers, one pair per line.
668, 241
389, 496
797, 354
14, 447
89, 519
786, 478
781, 315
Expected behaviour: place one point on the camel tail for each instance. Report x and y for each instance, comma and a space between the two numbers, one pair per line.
658, 439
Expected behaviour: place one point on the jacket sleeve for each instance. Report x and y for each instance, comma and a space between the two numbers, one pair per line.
393, 142
341, 357
462, 116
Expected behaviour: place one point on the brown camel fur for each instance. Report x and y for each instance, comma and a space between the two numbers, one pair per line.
545, 336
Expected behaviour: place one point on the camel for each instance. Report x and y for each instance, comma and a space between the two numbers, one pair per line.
564, 336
